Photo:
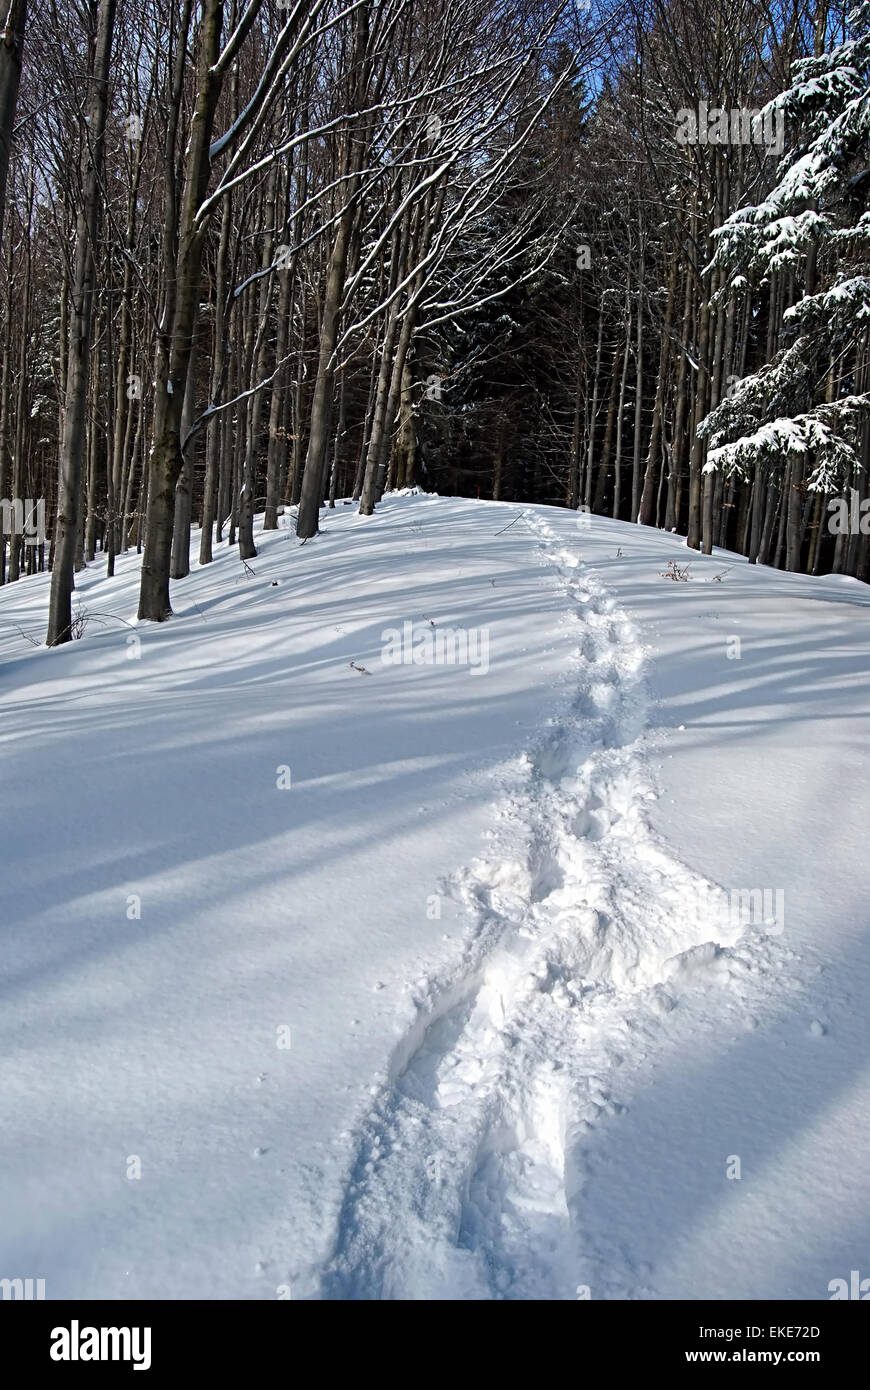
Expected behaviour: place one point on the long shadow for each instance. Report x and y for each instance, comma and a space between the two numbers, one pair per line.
96, 802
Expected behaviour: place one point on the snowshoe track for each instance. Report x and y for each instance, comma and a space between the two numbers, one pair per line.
463, 1185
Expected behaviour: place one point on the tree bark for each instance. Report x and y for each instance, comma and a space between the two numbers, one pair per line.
73, 444
11, 58
174, 351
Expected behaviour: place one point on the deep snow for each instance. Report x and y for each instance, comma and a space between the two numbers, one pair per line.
525, 1046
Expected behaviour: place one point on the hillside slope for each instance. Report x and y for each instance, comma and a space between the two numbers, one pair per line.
335, 969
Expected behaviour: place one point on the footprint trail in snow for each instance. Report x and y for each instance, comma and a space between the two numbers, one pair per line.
463, 1184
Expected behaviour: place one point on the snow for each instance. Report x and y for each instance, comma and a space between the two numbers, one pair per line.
448, 980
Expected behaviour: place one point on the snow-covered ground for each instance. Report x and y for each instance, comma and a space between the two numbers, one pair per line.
330, 975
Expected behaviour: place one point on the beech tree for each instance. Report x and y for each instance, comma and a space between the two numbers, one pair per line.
11, 57
263, 257
101, 15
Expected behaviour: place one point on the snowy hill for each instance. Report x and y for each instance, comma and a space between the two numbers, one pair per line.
455, 906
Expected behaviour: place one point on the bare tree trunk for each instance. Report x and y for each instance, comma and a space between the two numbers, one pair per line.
16, 541
180, 559
11, 55
593, 417
603, 462
248, 500
638, 401
73, 445
338, 445
617, 461
406, 444
276, 443
312, 479
175, 347
696, 456
794, 530
573, 491
93, 453
214, 429
675, 454
645, 513
321, 406
131, 479
5, 395
770, 514
380, 421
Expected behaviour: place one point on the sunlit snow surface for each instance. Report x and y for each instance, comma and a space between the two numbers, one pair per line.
525, 1046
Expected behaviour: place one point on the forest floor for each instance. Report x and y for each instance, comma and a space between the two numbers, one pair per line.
335, 969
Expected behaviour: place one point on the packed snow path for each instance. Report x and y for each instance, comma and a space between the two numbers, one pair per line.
448, 1010
468, 1181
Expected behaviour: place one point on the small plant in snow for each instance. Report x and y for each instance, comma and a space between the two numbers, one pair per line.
79, 623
